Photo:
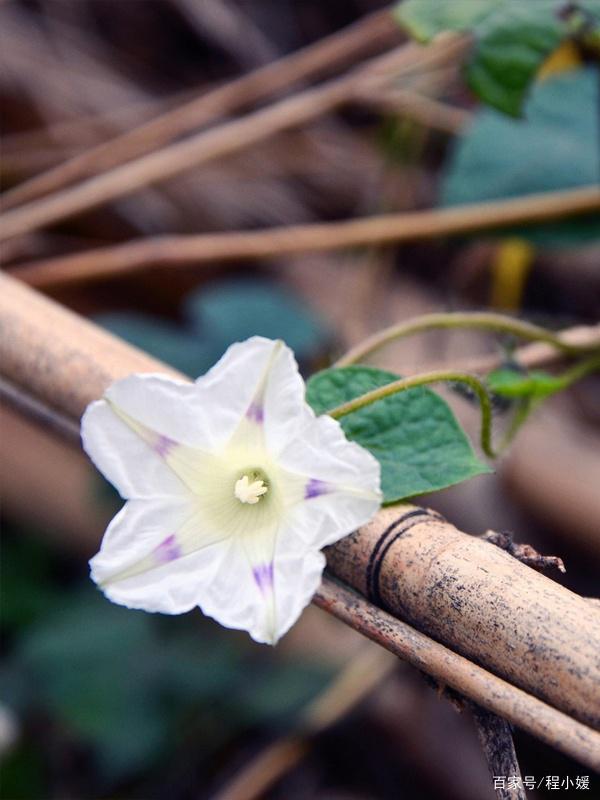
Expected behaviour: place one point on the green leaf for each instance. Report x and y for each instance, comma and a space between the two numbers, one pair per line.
424, 19
512, 38
513, 44
414, 434
129, 685
554, 147
514, 384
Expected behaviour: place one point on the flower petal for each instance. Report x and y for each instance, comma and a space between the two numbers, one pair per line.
123, 457
196, 532
341, 483
256, 382
262, 588
230, 388
158, 555
170, 407
286, 412
236, 600
298, 573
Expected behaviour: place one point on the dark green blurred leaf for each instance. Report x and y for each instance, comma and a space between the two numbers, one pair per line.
512, 38
28, 591
23, 774
426, 18
218, 316
186, 351
414, 435
236, 310
281, 690
92, 665
125, 682
555, 147
512, 47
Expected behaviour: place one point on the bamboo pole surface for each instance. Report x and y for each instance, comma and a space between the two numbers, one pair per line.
466, 593
483, 602
453, 670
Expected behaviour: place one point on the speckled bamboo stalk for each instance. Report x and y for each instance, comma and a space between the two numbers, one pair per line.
460, 590
477, 598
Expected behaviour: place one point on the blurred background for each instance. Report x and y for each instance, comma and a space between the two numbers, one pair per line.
102, 702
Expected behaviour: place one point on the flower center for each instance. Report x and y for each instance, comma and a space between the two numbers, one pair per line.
250, 487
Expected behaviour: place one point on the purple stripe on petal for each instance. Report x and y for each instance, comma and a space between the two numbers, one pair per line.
263, 575
167, 550
255, 413
315, 488
163, 445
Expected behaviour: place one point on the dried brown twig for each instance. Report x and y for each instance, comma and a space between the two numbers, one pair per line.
368, 35
426, 110
228, 137
193, 250
495, 737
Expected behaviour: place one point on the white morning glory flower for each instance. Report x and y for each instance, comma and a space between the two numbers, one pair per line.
233, 486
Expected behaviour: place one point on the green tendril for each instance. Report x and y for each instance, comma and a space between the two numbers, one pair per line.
401, 385
487, 321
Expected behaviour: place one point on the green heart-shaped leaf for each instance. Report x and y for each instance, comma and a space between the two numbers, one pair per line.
414, 434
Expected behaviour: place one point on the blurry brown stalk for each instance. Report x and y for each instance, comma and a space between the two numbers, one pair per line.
229, 137
348, 689
193, 250
423, 109
369, 34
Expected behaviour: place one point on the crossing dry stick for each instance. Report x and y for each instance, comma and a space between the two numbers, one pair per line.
540, 639
191, 251
371, 33
227, 138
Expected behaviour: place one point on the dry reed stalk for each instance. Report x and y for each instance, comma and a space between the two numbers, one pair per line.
192, 250
495, 737
227, 138
466, 592
368, 35
530, 356
426, 110
481, 601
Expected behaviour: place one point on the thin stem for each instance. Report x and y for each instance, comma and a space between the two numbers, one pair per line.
487, 321
524, 409
414, 381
